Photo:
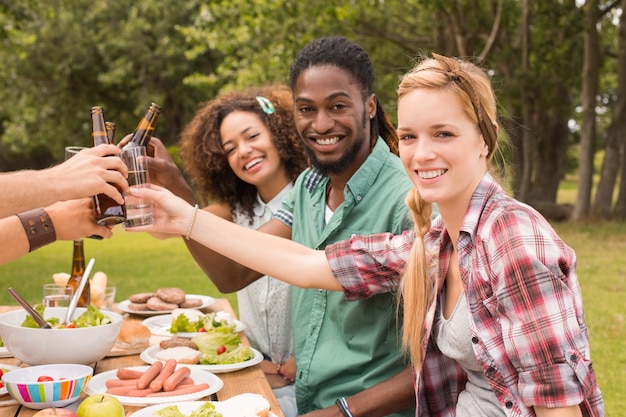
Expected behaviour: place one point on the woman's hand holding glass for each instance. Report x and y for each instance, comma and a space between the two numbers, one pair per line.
172, 214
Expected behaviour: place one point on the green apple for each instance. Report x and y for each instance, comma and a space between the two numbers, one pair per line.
99, 405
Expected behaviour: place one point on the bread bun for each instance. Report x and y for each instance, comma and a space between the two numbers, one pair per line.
61, 278
132, 335
243, 405
182, 354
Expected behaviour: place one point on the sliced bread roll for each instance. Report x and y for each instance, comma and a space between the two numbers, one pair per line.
182, 354
244, 405
133, 335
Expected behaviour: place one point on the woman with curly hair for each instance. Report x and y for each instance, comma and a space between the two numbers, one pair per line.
242, 152
217, 158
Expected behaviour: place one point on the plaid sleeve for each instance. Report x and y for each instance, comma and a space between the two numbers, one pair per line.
370, 265
541, 310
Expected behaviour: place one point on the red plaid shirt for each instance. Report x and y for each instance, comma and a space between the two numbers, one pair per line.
527, 320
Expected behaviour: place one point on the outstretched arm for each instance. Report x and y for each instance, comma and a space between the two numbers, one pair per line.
270, 255
225, 273
71, 220
88, 173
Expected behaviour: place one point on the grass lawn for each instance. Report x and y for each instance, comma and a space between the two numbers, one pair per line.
138, 262
134, 262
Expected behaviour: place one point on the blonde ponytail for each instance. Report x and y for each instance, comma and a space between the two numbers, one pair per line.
416, 286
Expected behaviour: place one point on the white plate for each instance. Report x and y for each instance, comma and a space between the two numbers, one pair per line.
97, 385
3, 390
149, 356
186, 408
4, 353
206, 301
159, 325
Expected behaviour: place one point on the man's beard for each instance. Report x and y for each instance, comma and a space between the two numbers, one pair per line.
335, 167
343, 163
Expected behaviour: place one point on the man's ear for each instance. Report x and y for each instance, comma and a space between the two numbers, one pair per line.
370, 106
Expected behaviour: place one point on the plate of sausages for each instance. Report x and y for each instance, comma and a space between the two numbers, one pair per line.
158, 383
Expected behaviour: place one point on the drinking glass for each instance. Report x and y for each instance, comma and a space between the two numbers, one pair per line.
57, 295
139, 212
109, 297
72, 150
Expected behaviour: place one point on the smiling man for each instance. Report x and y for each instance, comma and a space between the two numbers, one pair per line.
356, 186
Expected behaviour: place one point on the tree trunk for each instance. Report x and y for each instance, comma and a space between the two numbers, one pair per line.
551, 141
616, 140
526, 142
589, 91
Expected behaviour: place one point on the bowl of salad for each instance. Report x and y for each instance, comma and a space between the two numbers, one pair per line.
87, 339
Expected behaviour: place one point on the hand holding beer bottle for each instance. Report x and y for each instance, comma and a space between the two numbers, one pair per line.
108, 211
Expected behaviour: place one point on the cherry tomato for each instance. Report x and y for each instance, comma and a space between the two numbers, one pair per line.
201, 330
44, 378
221, 349
71, 326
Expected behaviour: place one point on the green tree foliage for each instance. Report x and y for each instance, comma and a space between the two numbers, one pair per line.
63, 56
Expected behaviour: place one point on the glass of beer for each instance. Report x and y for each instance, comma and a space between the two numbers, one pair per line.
139, 212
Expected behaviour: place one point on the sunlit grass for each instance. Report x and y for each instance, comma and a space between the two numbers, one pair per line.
602, 275
135, 262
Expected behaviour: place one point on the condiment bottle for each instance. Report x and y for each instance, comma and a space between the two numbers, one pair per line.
108, 211
78, 270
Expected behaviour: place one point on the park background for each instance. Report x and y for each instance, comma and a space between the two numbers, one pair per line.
559, 69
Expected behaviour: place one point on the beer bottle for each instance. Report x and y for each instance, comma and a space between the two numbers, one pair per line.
110, 127
143, 131
78, 270
108, 211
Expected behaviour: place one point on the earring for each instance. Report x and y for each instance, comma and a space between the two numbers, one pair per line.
371, 116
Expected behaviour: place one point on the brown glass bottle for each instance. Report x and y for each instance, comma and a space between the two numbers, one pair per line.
108, 211
78, 270
143, 131
110, 128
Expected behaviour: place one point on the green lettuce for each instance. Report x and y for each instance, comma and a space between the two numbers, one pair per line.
182, 325
171, 411
90, 318
30, 322
208, 343
205, 410
208, 322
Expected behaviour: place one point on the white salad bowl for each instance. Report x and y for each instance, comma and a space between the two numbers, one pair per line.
36, 346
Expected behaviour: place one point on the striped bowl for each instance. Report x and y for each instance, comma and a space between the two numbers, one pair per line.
69, 381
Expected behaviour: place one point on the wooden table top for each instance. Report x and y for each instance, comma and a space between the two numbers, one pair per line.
251, 379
